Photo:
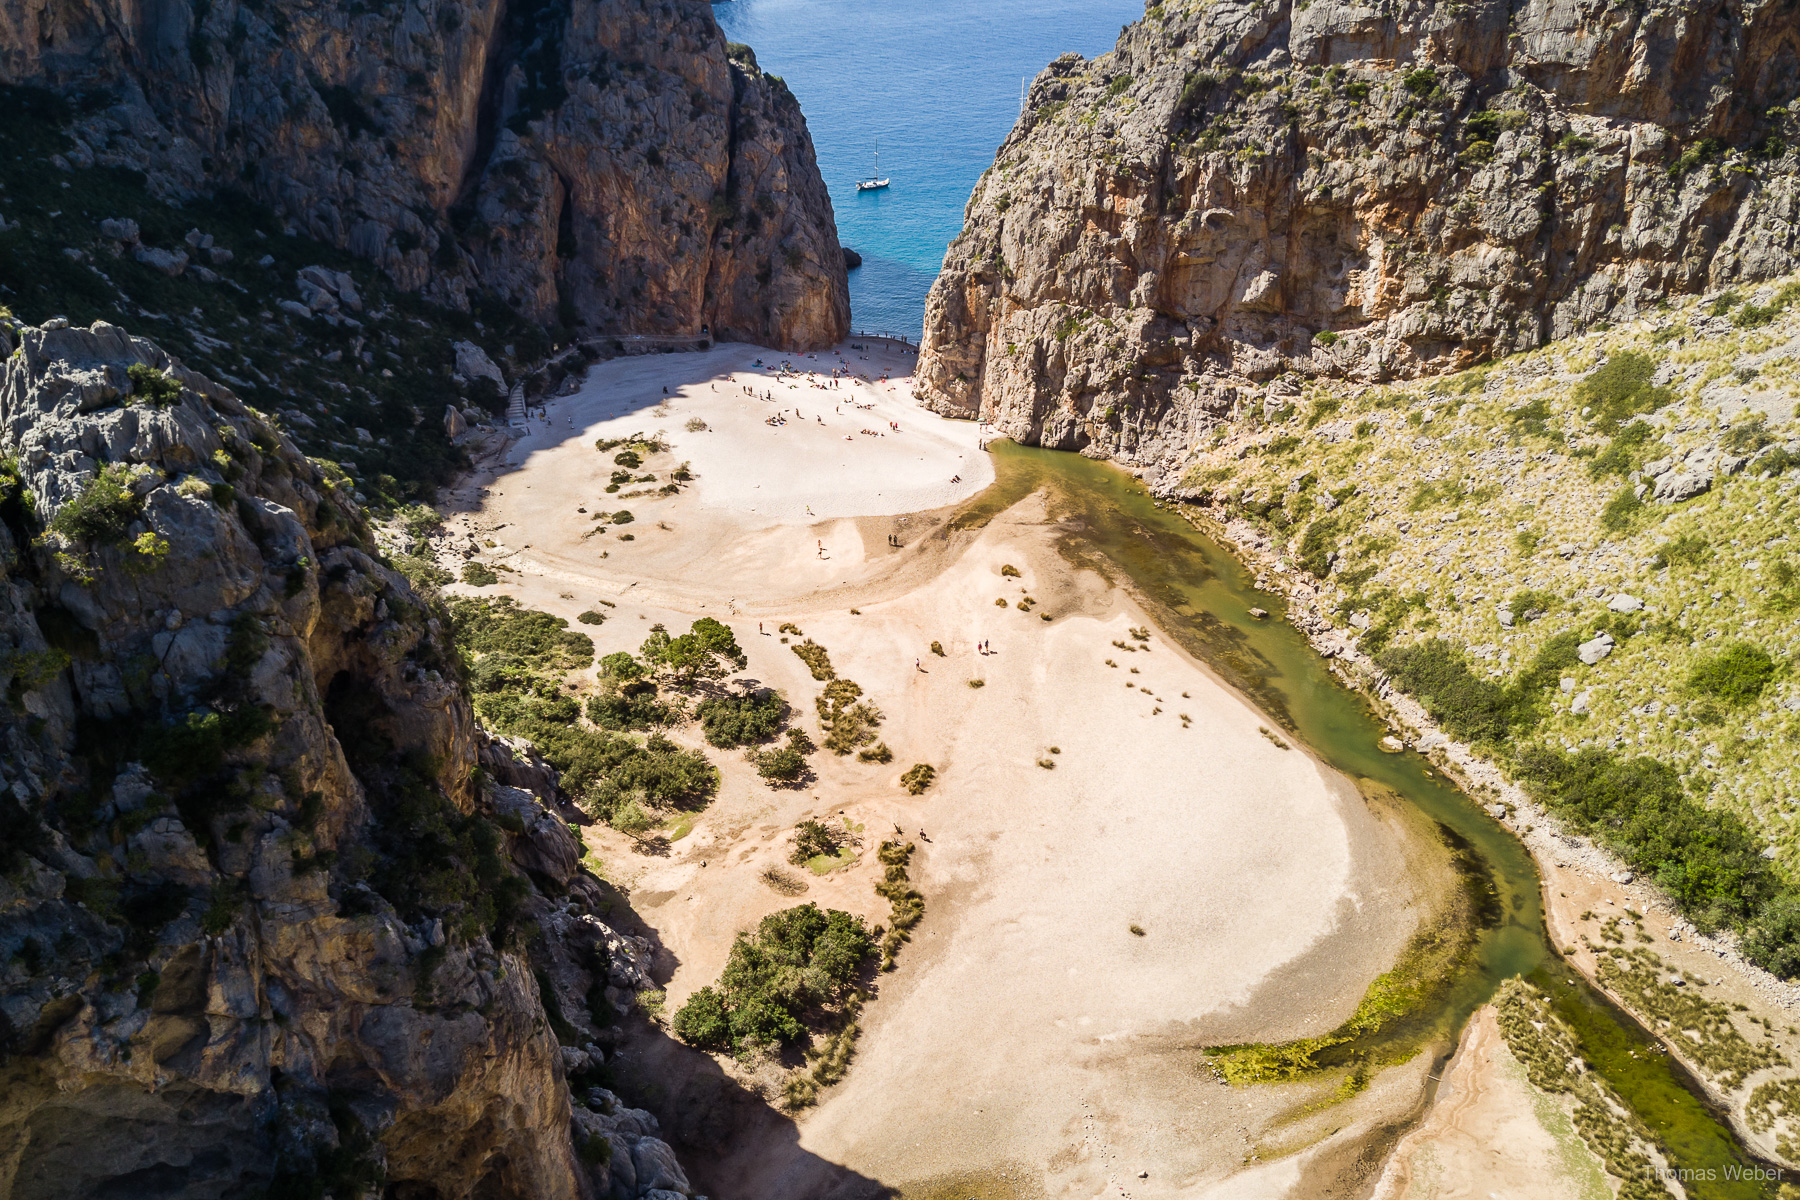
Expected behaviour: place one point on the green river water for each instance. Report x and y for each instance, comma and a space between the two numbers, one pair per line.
1201, 596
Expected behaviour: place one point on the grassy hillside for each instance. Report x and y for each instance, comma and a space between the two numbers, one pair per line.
1632, 493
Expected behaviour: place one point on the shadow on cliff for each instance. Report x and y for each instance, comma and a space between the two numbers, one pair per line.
733, 1143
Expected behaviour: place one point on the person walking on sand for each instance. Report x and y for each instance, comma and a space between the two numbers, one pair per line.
917, 665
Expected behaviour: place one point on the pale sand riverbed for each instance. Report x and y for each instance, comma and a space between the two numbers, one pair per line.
1490, 1133
1028, 1032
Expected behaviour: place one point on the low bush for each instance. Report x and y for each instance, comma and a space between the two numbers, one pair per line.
1621, 456
1622, 389
515, 658
479, 574
1688, 550
784, 764
816, 659
1316, 546
500, 626
425, 575
878, 753
592, 616
103, 511
1736, 675
730, 721
1622, 511
906, 905
1470, 707
632, 707
151, 386
798, 961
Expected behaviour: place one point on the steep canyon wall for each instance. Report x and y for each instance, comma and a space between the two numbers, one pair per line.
604, 166
1246, 194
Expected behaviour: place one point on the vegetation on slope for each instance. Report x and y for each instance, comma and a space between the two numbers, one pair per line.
516, 660
1631, 491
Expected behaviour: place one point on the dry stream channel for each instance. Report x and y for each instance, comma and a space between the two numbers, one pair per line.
1201, 596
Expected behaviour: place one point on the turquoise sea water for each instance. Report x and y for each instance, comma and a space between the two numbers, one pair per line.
936, 82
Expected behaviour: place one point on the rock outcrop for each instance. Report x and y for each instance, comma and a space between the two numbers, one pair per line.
264, 926
606, 166
1245, 193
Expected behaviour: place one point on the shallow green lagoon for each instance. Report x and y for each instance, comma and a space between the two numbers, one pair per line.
1201, 596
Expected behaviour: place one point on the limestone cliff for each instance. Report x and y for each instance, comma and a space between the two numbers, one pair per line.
1246, 190
605, 166
265, 928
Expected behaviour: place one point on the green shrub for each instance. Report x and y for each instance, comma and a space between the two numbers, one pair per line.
704, 1020
1772, 940
479, 574
1707, 859
1421, 82
419, 520
592, 616
878, 753
1316, 546
1703, 151
152, 386
742, 720
1622, 511
103, 511
1470, 707
422, 573
630, 707
783, 764
500, 626
1622, 389
708, 650
1688, 550
848, 724
1434, 672
918, 777
1737, 675
1620, 457
1752, 315
1326, 338
799, 961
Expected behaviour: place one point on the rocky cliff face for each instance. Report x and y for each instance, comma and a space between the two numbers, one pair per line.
1245, 191
603, 165
264, 927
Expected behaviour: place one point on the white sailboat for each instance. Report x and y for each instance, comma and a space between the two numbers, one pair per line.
876, 181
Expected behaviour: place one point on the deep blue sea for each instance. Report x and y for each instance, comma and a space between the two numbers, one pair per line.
936, 83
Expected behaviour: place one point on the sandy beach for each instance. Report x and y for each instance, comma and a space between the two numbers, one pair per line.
1119, 866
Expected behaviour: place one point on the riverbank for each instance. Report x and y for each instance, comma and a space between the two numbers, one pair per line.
1595, 908
1098, 909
